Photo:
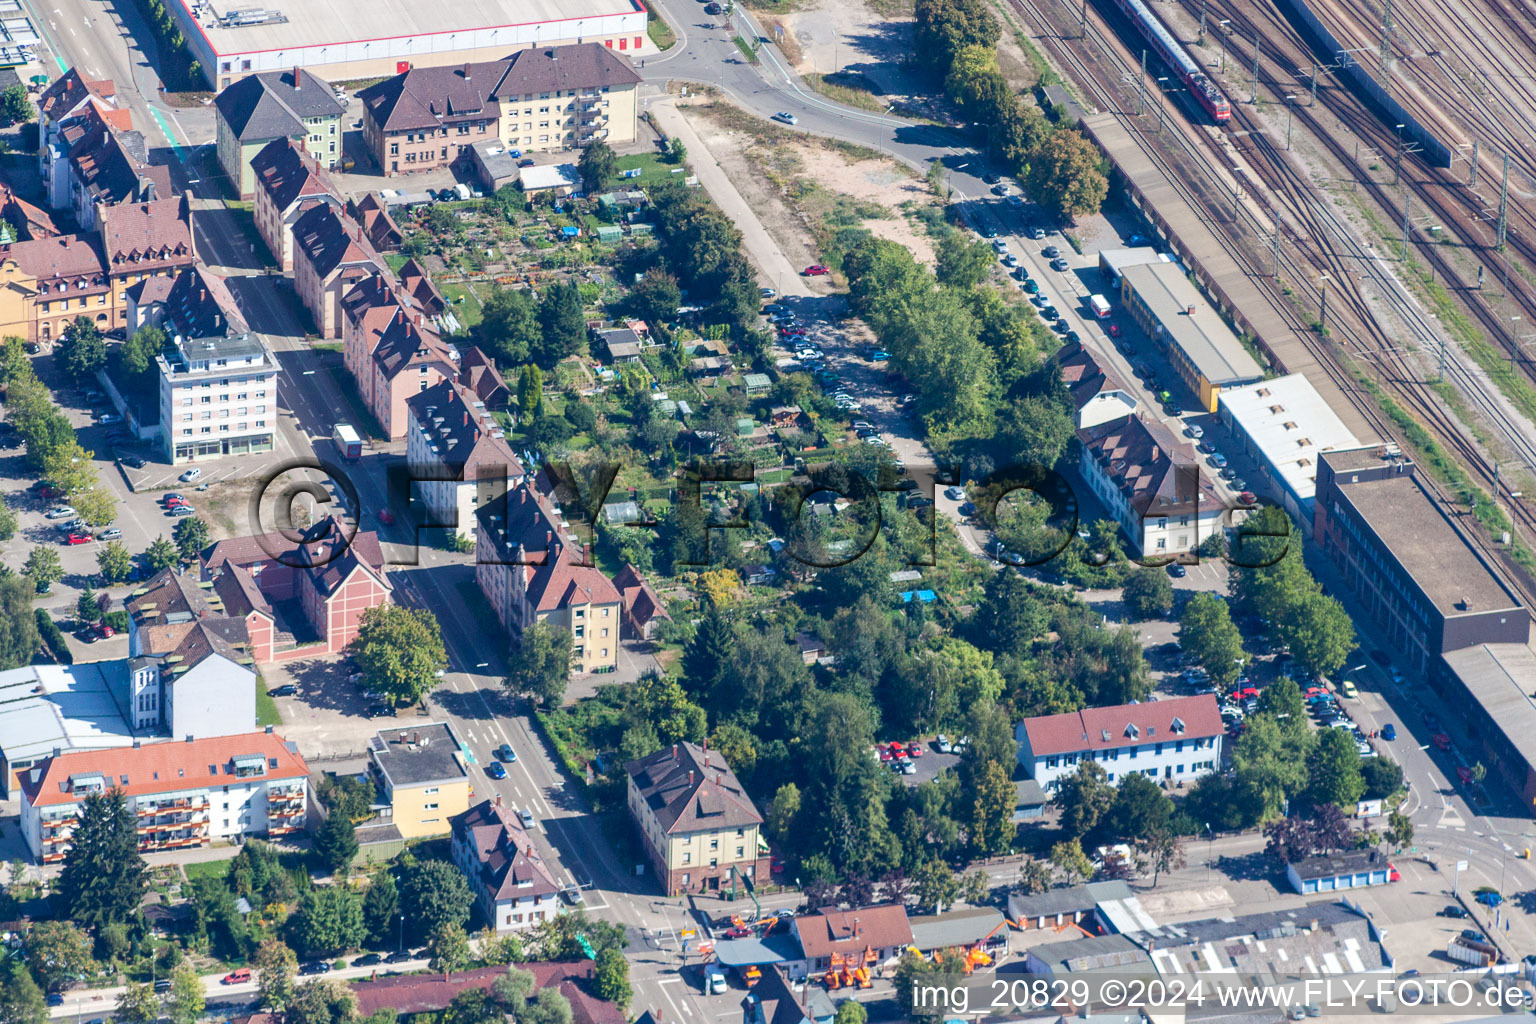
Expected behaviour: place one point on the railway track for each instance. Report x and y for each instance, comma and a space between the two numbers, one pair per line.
1107, 64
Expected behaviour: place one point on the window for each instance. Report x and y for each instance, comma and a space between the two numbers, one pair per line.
714, 844
430, 807
687, 857
430, 791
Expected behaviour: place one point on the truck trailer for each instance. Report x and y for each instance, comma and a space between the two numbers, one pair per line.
348, 442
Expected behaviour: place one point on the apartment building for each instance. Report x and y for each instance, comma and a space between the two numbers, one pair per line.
218, 395
1151, 484
182, 793
537, 100
454, 441
698, 824
1170, 740
286, 182
330, 255
291, 105
391, 344
512, 885
424, 775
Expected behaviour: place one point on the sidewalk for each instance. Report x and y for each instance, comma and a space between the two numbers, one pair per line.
772, 264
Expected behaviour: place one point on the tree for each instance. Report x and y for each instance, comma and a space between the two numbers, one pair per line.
448, 948
548, 1007
43, 567
1334, 769
336, 842
161, 554
991, 823
1148, 593
104, 876
138, 1004
975, 886
321, 1001
783, 811
95, 505
1318, 632
18, 622
1383, 777
186, 998
1139, 809
964, 260
1084, 797
1010, 617
81, 350
7, 523
191, 536
85, 605
610, 978
15, 107
1208, 636
1399, 829
1163, 849
935, 885
276, 966
656, 296
381, 908
1281, 700
1065, 175
399, 651
514, 988
1070, 860
677, 152
508, 327
58, 951
541, 665
136, 355
1270, 766
562, 325
433, 892
329, 920
1034, 877
530, 392
114, 561
851, 1011
597, 166
21, 1001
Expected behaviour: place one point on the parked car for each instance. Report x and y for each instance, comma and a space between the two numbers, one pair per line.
78, 538
1389, 732
172, 496
400, 956
1455, 910
131, 461
1219, 461
110, 533
181, 511
314, 967
713, 8
236, 977
815, 270
190, 475
367, 960
942, 744
525, 818
1050, 252
61, 512
1441, 740
1037, 232
1060, 264
381, 710
1177, 571
1347, 688
1247, 497
286, 690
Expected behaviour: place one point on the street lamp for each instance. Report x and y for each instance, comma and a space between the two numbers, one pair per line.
1222, 24
1322, 305
1161, 95
402, 933
1397, 161
1289, 110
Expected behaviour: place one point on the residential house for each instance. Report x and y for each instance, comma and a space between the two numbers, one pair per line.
864, 936
536, 100
18, 295
513, 887
330, 256
372, 215
189, 669
218, 379
423, 772
292, 105
1098, 395
23, 222
140, 240
623, 345
478, 373
1152, 484
288, 182
181, 794
64, 100
332, 576
699, 826
458, 455
530, 570
643, 609
392, 349
107, 163
417, 285
1173, 740
774, 1000
68, 278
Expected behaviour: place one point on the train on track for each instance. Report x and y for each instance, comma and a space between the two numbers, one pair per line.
1176, 57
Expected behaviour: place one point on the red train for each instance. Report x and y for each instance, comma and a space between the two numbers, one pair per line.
1174, 55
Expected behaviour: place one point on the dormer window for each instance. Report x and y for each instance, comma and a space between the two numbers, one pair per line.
1131, 731
1178, 725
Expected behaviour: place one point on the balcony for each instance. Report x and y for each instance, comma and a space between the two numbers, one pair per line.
60, 822
183, 804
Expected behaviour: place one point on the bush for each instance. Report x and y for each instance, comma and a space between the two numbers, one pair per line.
53, 637
118, 621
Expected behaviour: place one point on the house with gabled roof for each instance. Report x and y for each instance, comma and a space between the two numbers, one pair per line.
372, 215
477, 371
141, 240
392, 348
333, 576
1175, 740
1098, 395
181, 794
274, 106
63, 270
643, 608
453, 441
286, 181
330, 255
699, 827
65, 98
1152, 483
107, 163
513, 887
864, 936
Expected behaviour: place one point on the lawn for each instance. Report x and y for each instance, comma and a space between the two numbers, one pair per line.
465, 306
653, 169
266, 707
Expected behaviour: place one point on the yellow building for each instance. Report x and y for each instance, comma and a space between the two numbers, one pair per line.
422, 768
17, 290
696, 820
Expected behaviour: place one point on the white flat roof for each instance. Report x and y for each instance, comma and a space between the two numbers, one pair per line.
1289, 423
333, 22
549, 176
65, 706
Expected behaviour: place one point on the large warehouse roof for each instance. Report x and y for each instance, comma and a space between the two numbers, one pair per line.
65, 706
1288, 423
1192, 324
292, 24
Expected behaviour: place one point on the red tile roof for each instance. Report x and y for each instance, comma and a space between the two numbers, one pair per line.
53, 259
510, 864
1124, 725
142, 236
424, 993
831, 930
1157, 473
69, 90
568, 582
328, 239
690, 789
169, 767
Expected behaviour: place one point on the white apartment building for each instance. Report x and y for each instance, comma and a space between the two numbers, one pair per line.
218, 396
183, 793
1175, 740
458, 455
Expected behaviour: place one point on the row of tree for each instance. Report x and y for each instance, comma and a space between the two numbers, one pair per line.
1060, 168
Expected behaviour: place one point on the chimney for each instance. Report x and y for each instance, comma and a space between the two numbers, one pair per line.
690, 778
549, 537
466, 417
298, 82
1189, 310
498, 799
202, 295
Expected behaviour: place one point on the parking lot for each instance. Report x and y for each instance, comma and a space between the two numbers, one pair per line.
328, 715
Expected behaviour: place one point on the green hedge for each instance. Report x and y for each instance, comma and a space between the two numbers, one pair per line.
53, 637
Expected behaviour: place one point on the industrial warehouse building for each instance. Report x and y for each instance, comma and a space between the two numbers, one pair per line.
351, 39
1197, 341
1494, 684
1283, 423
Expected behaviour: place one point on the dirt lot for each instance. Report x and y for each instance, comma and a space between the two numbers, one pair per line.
849, 35
799, 188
